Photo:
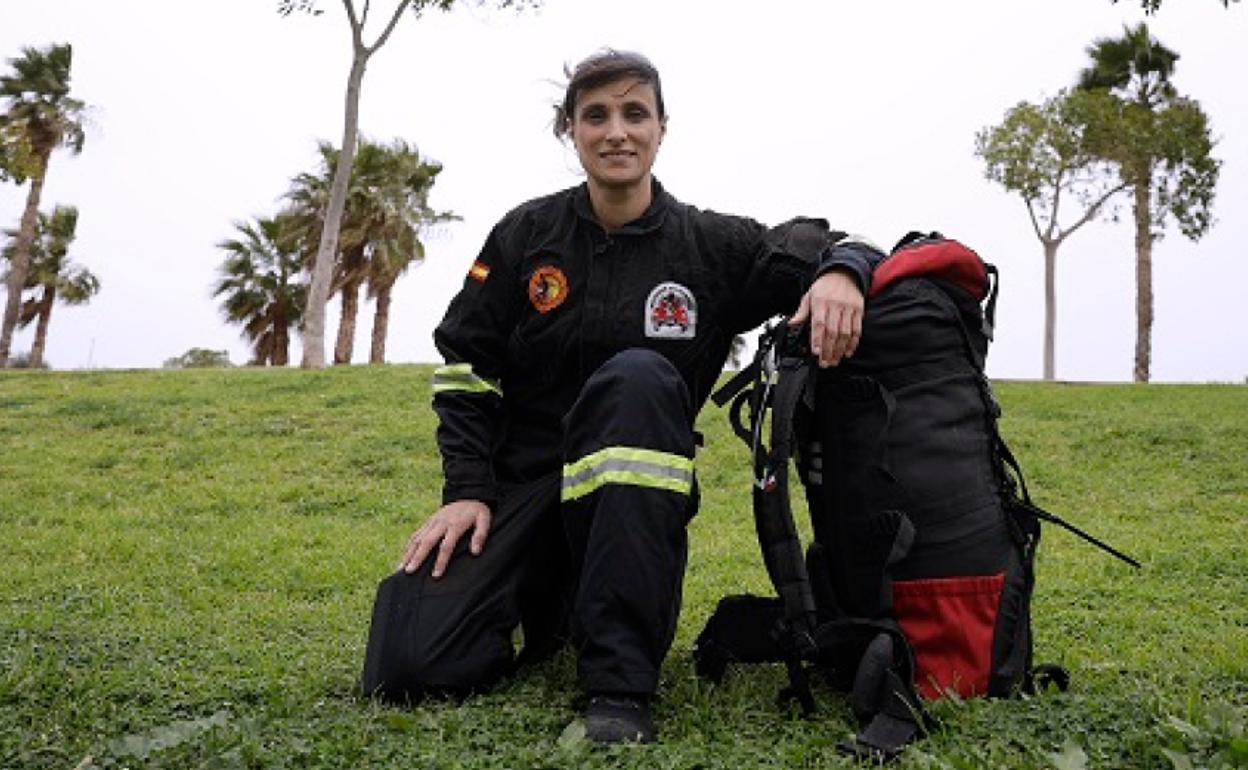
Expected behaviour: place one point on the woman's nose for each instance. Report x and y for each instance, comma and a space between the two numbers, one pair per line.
615, 129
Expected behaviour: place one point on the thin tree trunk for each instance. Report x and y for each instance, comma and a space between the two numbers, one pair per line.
345, 345
323, 267
20, 264
281, 343
381, 327
322, 271
41, 328
1050, 307
1143, 280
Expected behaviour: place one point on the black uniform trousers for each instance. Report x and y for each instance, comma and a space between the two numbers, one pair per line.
595, 554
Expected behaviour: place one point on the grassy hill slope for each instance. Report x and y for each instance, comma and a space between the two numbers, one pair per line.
188, 562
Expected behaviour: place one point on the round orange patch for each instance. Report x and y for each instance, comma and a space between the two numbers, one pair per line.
548, 288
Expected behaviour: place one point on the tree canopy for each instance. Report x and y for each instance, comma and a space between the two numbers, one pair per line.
260, 286
1047, 154
1162, 147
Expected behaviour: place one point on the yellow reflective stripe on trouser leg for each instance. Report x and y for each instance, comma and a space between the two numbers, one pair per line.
627, 465
460, 377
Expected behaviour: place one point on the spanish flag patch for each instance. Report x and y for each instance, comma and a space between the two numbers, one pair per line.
479, 272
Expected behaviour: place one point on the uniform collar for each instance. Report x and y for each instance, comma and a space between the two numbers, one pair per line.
650, 220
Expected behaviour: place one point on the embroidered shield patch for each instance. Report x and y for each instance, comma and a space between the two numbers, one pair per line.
671, 312
548, 288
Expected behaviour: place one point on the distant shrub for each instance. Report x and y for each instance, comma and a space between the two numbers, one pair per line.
199, 358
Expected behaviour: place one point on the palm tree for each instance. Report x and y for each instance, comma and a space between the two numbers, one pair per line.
52, 276
1136, 63
258, 282
402, 213
1163, 150
39, 117
386, 205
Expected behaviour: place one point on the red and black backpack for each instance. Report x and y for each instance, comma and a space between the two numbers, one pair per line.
919, 578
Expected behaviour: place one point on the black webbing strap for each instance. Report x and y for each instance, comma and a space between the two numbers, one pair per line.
742, 425
904, 534
773, 513
883, 696
990, 308
751, 387
737, 383
777, 384
914, 236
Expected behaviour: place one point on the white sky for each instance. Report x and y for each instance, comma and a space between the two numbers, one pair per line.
863, 113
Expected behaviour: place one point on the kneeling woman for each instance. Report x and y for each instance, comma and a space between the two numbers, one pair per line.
587, 335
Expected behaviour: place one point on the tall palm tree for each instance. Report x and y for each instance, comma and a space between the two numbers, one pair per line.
260, 286
52, 277
39, 117
402, 213
1136, 68
386, 205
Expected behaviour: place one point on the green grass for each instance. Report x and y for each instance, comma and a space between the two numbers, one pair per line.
188, 563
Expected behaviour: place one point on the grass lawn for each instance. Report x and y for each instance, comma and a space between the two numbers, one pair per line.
188, 563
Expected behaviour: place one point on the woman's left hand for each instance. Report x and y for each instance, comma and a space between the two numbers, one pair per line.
833, 305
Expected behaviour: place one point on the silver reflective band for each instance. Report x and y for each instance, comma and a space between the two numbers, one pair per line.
627, 465
460, 377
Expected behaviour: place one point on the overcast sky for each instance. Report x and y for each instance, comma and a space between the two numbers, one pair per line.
863, 113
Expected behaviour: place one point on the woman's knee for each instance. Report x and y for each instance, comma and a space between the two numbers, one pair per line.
640, 368
423, 643
633, 389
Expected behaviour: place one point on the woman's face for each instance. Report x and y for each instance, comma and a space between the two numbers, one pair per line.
617, 131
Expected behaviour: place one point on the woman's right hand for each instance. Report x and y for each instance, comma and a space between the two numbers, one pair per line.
442, 531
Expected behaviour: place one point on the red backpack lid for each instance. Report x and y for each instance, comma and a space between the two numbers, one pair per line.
935, 257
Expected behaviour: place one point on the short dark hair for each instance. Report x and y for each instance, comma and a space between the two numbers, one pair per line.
606, 66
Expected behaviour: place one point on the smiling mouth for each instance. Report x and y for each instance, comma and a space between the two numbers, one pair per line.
617, 154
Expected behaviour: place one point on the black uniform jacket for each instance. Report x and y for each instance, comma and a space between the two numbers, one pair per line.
552, 296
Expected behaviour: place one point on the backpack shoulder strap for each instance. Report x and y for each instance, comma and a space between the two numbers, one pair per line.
775, 383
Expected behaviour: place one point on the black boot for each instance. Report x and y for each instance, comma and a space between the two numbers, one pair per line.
618, 719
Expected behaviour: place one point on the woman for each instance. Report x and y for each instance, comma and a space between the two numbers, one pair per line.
588, 333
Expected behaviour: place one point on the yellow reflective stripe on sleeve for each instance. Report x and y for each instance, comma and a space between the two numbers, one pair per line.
627, 465
460, 377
